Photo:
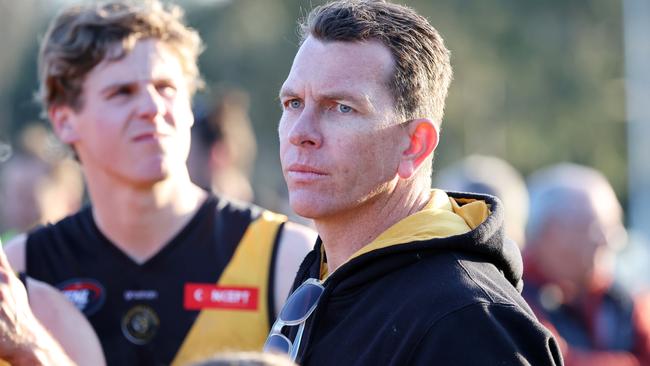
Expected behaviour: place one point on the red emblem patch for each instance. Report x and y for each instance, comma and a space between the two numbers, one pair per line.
207, 296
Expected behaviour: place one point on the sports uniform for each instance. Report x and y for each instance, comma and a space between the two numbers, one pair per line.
210, 288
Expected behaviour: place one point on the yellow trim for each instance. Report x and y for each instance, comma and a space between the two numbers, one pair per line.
218, 330
443, 216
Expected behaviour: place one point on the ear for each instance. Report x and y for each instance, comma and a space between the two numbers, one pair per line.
62, 118
423, 139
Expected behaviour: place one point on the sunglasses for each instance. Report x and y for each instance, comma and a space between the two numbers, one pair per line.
299, 306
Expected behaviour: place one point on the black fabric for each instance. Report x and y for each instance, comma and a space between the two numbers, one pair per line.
22, 276
75, 249
270, 305
613, 328
447, 301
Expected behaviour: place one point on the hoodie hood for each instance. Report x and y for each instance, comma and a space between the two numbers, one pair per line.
466, 223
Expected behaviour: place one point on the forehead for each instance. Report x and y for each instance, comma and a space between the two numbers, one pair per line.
149, 59
364, 67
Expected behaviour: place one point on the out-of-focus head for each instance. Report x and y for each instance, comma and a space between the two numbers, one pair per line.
575, 224
39, 183
223, 145
494, 176
83, 36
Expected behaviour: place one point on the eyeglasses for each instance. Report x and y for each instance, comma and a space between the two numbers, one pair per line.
299, 306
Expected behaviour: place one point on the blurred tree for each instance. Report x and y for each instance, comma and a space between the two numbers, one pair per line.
535, 82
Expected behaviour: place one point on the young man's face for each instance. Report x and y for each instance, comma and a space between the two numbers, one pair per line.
135, 119
339, 138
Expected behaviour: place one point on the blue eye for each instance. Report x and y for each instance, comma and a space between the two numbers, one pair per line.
295, 104
344, 108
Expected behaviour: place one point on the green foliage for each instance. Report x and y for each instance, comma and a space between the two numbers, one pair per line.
536, 82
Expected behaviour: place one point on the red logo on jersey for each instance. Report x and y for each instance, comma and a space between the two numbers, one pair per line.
206, 296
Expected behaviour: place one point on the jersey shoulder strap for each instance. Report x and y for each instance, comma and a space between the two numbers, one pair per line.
246, 282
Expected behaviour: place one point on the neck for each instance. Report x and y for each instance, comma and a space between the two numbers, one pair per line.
345, 233
141, 220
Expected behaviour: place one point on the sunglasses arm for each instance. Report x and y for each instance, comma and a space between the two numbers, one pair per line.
296, 342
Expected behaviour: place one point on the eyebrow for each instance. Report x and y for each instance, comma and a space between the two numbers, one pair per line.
121, 84
361, 100
286, 92
116, 85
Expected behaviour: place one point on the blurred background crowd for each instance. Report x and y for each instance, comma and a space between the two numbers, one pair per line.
538, 85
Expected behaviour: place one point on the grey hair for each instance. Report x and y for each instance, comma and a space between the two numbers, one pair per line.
553, 189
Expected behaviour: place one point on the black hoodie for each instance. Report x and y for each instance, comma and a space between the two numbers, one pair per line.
445, 301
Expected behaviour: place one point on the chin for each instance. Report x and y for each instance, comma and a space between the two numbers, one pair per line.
151, 177
303, 204
303, 210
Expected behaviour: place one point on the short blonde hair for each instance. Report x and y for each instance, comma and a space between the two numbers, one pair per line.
82, 36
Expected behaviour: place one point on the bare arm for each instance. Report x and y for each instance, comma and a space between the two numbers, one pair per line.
15, 249
295, 243
56, 314
66, 324
23, 340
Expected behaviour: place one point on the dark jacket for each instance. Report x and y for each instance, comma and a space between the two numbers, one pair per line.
442, 301
606, 326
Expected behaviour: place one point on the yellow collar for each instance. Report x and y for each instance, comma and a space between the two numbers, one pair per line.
443, 216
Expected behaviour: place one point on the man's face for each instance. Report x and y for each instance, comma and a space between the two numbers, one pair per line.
340, 142
135, 119
580, 248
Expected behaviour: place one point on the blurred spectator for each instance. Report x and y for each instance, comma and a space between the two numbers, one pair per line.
574, 229
38, 184
223, 146
494, 176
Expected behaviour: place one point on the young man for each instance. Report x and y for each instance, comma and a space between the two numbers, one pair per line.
164, 271
410, 276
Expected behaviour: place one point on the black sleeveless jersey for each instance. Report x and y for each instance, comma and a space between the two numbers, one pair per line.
142, 313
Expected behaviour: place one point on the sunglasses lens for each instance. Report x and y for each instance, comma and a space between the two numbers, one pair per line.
277, 343
300, 302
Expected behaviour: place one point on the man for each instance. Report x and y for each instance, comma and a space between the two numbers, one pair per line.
410, 276
165, 272
574, 231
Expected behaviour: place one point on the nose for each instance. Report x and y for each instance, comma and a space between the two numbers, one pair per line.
305, 132
152, 104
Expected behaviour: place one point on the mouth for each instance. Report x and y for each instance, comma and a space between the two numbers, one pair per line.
300, 172
148, 137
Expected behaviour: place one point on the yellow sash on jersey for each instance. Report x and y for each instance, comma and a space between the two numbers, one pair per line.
218, 330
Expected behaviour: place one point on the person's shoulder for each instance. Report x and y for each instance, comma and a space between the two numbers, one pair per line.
65, 323
15, 251
487, 333
16, 248
296, 232
449, 281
